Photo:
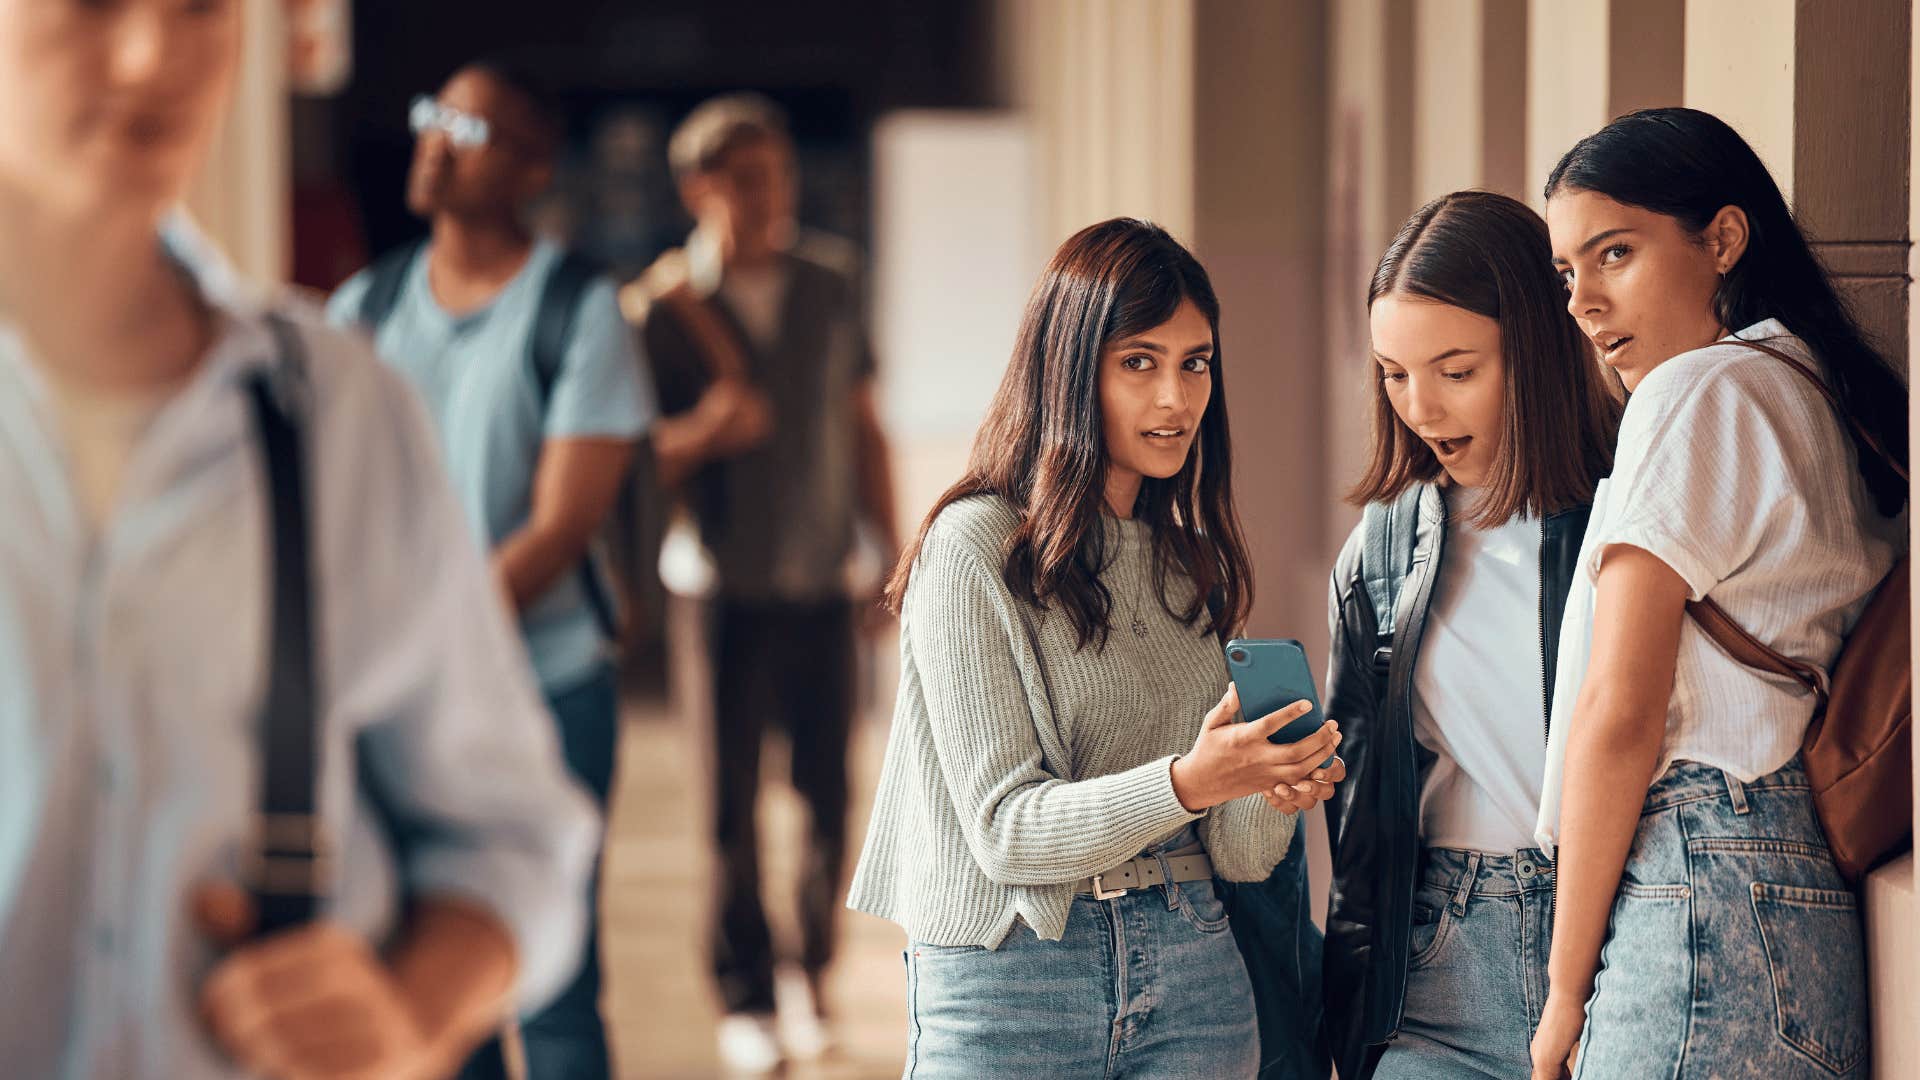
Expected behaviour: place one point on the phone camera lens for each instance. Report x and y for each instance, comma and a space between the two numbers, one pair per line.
1238, 656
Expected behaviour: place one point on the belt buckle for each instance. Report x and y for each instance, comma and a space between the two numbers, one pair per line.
1101, 892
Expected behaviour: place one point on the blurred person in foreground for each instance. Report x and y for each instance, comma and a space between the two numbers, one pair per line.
142, 578
751, 299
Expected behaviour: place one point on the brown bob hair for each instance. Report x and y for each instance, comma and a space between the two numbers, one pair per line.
1041, 446
1490, 255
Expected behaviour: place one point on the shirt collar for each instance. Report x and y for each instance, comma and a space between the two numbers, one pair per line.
1760, 331
241, 342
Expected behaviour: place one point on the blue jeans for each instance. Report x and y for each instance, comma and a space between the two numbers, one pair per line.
1735, 949
1146, 985
1476, 967
567, 1040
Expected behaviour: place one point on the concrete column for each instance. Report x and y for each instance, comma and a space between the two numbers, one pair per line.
1108, 85
1851, 83
1646, 55
1503, 98
1568, 45
243, 195
1261, 131
1893, 892
1740, 67
1448, 110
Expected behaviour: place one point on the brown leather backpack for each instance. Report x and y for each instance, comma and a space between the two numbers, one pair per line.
1858, 750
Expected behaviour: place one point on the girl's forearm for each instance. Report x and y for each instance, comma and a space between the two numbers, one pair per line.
1611, 755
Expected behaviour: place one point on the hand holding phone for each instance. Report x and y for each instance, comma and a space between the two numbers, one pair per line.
1271, 674
1230, 759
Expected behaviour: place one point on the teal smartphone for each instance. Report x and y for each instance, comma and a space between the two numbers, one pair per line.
1272, 673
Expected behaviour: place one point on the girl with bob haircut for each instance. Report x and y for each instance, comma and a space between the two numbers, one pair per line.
1687, 837
1492, 423
1048, 826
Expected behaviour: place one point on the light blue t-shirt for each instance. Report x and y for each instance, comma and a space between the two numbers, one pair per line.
477, 379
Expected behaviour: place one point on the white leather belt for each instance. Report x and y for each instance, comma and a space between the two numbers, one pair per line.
1142, 873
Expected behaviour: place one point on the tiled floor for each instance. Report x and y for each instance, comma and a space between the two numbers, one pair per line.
659, 1001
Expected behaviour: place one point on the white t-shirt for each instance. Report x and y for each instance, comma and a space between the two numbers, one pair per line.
756, 297
1734, 471
1479, 697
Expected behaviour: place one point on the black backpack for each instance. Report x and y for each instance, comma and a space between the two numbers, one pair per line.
553, 323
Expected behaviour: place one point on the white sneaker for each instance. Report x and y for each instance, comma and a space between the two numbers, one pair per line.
748, 1045
803, 1033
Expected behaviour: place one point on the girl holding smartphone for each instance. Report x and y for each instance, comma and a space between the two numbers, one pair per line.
1066, 776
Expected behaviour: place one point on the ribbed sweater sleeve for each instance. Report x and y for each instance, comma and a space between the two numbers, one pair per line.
1247, 838
985, 698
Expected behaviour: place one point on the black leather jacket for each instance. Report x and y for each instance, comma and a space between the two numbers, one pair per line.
1373, 819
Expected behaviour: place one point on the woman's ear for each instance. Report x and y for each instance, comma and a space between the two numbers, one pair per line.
1726, 237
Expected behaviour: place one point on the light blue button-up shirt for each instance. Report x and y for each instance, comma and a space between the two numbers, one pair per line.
132, 670
473, 372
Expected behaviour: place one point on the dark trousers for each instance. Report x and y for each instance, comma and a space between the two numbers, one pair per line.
567, 1040
1272, 923
789, 666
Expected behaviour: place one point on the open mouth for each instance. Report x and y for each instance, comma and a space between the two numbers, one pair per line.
1451, 449
1611, 344
1165, 433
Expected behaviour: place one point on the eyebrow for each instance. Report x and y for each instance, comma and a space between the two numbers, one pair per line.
1143, 345
1449, 354
1595, 240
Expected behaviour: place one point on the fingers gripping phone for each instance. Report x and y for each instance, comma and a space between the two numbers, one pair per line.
1272, 674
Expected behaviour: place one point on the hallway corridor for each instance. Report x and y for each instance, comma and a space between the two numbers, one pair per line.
659, 1002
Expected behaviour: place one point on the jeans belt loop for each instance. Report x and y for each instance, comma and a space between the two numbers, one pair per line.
1737, 792
1465, 889
1166, 878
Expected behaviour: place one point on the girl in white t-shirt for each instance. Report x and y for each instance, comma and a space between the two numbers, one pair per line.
1686, 833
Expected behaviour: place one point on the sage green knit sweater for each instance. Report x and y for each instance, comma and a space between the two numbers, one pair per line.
1019, 764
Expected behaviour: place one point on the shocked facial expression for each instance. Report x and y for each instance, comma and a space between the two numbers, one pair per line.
1445, 378
1640, 285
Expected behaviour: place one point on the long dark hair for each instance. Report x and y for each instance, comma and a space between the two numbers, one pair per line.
1041, 447
1688, 164
1490, 255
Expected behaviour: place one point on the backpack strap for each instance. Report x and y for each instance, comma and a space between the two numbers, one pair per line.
1714, 621
553, 327
554, 320
385, 278
1860, 433
288, 858
1386, 558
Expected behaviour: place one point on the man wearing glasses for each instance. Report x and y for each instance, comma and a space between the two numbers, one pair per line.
538, 393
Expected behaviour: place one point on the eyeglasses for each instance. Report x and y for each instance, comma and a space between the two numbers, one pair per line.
463, 129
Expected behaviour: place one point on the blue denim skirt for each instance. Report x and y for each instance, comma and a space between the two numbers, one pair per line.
1149, 984
1735, 948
